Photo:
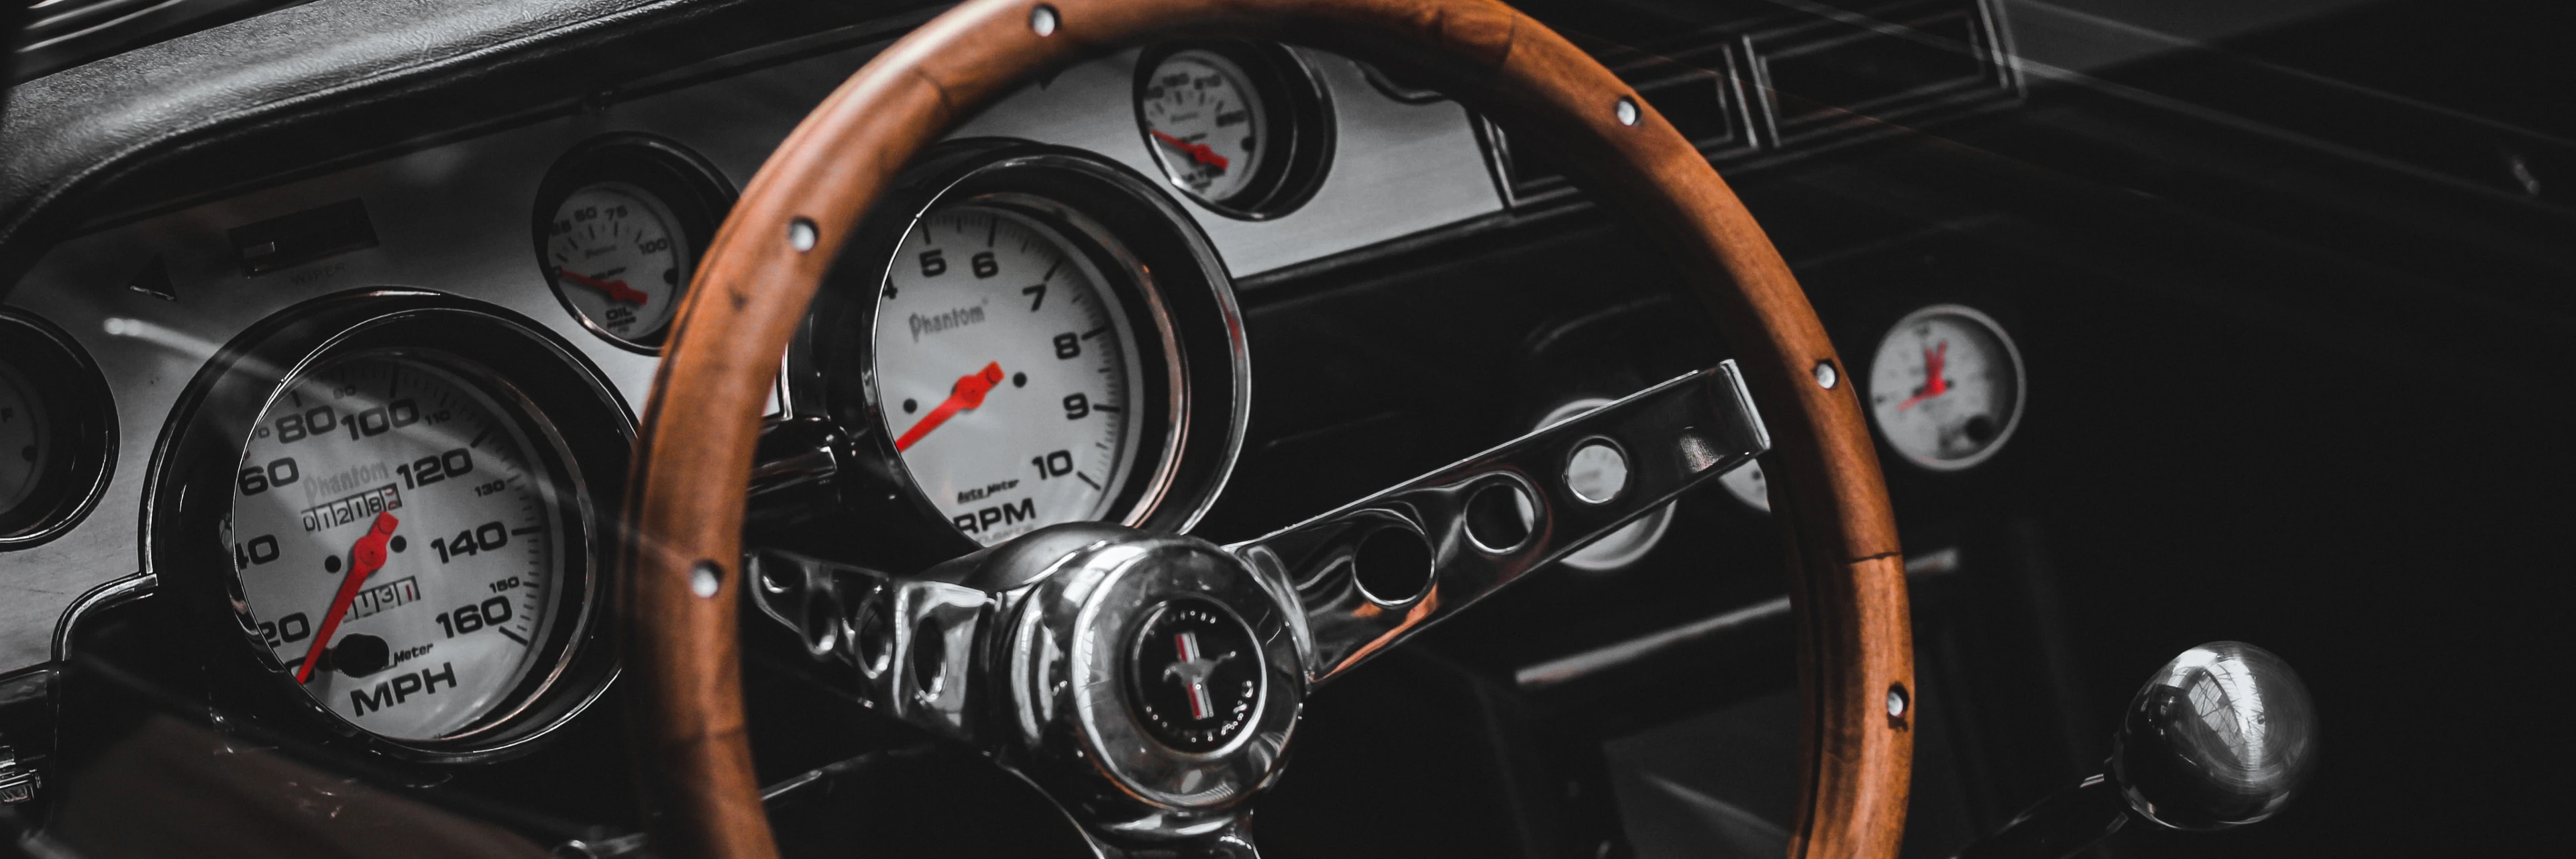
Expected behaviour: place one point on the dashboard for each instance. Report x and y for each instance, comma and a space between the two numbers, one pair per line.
572, 237
330, 437
374, 421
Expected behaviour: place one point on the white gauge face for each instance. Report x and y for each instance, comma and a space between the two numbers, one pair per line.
23, 443
410, 500
1946, 387
618, 257
1007, 373
1204, 120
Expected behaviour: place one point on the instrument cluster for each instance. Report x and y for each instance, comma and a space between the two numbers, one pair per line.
375, 454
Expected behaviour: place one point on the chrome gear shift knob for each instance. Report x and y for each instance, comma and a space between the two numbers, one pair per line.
2222, 736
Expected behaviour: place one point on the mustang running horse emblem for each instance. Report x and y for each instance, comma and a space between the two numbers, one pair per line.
1193, 669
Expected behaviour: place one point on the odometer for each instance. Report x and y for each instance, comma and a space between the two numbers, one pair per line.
399, 544
1007, 371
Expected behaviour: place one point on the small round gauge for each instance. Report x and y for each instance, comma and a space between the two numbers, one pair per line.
1240, 127
1946, 387
25, 438
399, 543
620, 222
1008, 372
619, 259
57, 434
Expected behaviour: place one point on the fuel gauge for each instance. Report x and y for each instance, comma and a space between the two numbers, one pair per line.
1946, 387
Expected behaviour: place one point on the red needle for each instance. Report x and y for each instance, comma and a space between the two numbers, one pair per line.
364, 558
1933, 384
968, 394
617, 289
1197, 151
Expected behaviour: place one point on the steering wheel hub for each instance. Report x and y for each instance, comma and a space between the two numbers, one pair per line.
1175, 668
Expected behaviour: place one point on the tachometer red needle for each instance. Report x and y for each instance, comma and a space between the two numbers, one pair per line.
617, 289
1933, 384
364, 559
1197, 151
968, 394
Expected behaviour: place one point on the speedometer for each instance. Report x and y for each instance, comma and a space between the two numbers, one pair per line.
397, 542
1011, 373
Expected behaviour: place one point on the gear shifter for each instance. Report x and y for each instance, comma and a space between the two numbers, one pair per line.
2220, 737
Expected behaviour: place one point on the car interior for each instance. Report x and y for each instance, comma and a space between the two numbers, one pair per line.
1570, 428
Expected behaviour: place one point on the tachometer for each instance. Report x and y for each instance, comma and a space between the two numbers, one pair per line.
398, 543
1946, 387
1022, 336
1009, 372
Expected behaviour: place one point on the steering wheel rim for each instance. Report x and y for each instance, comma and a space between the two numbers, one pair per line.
681, 538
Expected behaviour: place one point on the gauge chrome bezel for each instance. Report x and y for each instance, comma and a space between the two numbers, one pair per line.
2020, 386
1149, 251
687, 186
82, 415
1129, 281
1295, 102
581, 437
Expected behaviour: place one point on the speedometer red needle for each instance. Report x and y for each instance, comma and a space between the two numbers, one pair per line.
968, 394
617, 289
364, 559
1197, 151
1933, 384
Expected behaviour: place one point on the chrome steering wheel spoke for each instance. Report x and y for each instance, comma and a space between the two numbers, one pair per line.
1151, 682
1378, 570
911, 643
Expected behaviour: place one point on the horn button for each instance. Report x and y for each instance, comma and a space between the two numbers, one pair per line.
1171, 662
1194, 675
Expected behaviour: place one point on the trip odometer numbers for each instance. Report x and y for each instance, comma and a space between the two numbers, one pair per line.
1007, 372
407, 500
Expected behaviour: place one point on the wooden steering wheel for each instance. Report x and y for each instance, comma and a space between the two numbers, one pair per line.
1286, 599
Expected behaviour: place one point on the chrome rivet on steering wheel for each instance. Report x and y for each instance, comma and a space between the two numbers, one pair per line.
1627, 110
801, 234
1042, 20
704, 578
1826, 377
1895, 701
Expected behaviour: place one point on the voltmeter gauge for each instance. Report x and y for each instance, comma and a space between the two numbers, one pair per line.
1240, 127
620, 222
1946, 387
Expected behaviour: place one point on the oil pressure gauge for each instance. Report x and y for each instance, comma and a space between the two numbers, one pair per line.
619, 225
1240, 127
1946, 387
